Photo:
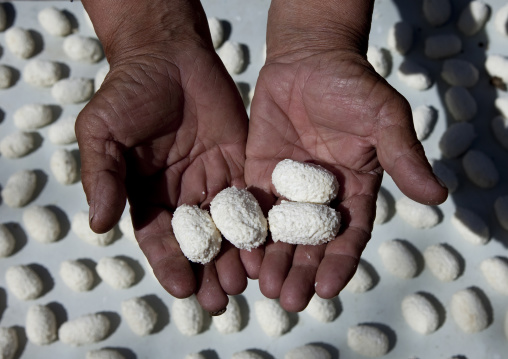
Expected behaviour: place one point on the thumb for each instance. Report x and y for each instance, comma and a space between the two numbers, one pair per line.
402, 155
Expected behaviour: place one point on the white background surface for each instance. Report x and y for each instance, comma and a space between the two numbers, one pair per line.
380, 305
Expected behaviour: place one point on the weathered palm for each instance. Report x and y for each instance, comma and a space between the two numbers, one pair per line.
163, 132
333, 110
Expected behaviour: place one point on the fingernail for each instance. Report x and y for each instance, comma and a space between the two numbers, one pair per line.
218, 312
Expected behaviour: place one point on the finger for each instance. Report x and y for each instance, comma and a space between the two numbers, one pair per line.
230, 270
298, 287
252, 261
152, 227
403, 157
275, 267
209, 291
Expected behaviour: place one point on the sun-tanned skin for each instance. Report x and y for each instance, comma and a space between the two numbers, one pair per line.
168, 127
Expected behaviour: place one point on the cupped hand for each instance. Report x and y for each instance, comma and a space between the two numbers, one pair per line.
332, 109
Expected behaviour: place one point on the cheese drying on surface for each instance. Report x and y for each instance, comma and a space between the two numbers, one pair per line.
420, 314
480, 169
139, 315
17, 144
442, 262
104, 354
442, 46
7, 241
457, 139
468, 311
72, 90
188, 315
367, 340
54, 21
445, 174
308, 351
64, 166
231, 320
472, 228
216, 31
303, 223
380, 60
501, 210
42, 224
272, 318
398, 259
497, 66
414, 75
20, 188
23, 282
424, 119
116, 272
321, 309
33, 116
416, 214
232, 56
495, 271
40, 324
20, 42
459, 102
42, 73
86, 329
457, 72
437, 12
239, 218
81, 227
473, 17
8, 343
82, 48
197, 235
400, 37
62, 132
76, 275
362, 280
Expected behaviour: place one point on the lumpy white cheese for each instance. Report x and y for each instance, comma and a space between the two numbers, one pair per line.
20, 42
64, 166
32, 116
480, 169
499, 126
188, 315
139, 315
40, 325
380, 60
458, 72
457, 139
460, 103
76, 275
20, 188
239, 218
400, 37
468, 311
72, 90
197, 235
81, 227
62, 132
231, 320
17, 144
445, 174
501, 20
495, 271
398, 259
416, 214
442, 262
471, 226
473, 17
41, 224
367, 340
54, 21
308, 351
304, 182
8, 341
87, 329
104, 354
420, 314
497, 66
436, 12
42, 73
442, 46
82, 48
414, 75
232, 56
7, 241
216, 31
321, 309
424, 119
5, 77
116, 272
303, 223
501, 210
272, 318
362, 280
23, 282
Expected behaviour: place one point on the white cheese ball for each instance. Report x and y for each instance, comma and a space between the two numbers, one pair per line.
420, 314
246, 354
116, 272
473, 17
127, 228
76, 275
17, 144
501, 104
304, 182
457, 139
104, 354
42, 73
400, 37
362, 280
87, 329
23, 282
216, 31
20, 188
231, 320
367, 340
308, 351
413, 75
497, 66
82, 48
501, 210
232, 56
81, 227
323, 310
398, 259
380, 60
442, 46
100, 76
436, 12
272, 318
139, 315
442, 262
480, 169
499, 126
40, 325
64, 166
501, 20
42, 224
197, 235
303, 223
424, 119
5, 77
382, 206
416, 214
54, 21
33, 116
20, 42
460, 103
62, 132
188, 315
72, 90
8, 339
495, 271
445, 174
239, 218
471, 226
457, 72
3, 18
7, 241
468, 311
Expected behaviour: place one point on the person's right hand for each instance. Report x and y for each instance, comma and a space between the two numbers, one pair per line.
167, 127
